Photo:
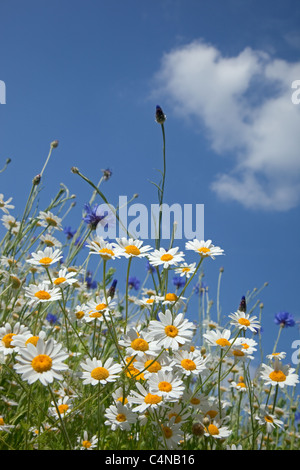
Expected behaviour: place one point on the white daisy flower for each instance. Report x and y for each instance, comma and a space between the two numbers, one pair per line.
7, 334
64, 278
189, 363
103, 248
4, 205
63, 405
144, 399
195, 400
151, 363
48, 219
268, 420
43, 362
216, 430
79, 312
248, 345
243, 321
118, 395
95, 371
279, 355
172, 435
166, 258
218, 338
167, 385
45, 257
186, 270
204, 248
42, 293
5, 427
171, 332
279, 374
21, 340
86, 443
172, 299
132, 248
240, 386
50, 241
119, 416
10, 223
138, 343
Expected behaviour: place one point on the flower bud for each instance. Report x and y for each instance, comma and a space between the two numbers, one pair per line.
160, 117
54, 144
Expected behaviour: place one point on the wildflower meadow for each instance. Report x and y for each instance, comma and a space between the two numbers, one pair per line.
94, 360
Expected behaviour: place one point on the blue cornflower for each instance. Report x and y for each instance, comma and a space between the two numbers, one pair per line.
178, 281
94, 216
284, 319
112, 289
200, 288
52, 319
70, 234
134, 283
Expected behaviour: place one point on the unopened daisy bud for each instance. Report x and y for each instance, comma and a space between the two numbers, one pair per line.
54, 144
261, 305
8, 160
36, 180
197, 429
221, 269
135, 196
160, 117
203, 351
206, 421
74, 169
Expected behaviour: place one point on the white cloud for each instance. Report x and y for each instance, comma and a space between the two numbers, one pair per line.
244, 103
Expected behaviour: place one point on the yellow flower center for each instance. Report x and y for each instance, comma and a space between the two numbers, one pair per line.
238, 353
241, 384
133, 373
222, 342
244, 321
165, 386
269, 419
121, 418
212, 413
51, 221
245, 345
149, 301
167, 432
166, 257
32, 340
106, 253
86, 444
188, 364
42, 295
185, 270
93, 314
41, 363
100, 307
152, 366
59, 280
63, 408
139, 344
177, 417
152, 399
277, 376
171, 331
171, 296
194, 401
132, 250
6, 340
1, 422
123, 400
99, 373
203, 251
46, 260
80, 314
213, 430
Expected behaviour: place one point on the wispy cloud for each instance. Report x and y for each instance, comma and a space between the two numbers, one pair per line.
244, 103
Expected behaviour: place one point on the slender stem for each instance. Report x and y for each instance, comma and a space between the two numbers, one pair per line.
126, 300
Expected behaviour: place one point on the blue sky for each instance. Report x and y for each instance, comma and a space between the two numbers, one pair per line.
90, 75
